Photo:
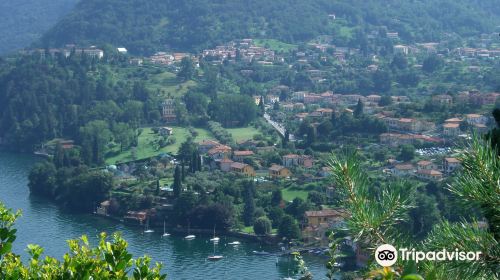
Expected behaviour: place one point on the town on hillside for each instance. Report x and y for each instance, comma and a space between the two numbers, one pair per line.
238, 138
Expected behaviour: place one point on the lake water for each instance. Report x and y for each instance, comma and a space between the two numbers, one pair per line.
45, 224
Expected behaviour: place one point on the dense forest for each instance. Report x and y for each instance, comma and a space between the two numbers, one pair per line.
147, 26
82, 99
24, 21
75, 98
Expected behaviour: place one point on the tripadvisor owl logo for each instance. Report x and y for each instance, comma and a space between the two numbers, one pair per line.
386, 255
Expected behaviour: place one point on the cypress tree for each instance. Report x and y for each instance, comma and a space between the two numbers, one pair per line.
249, 208
198, 161
358, 111
177, 182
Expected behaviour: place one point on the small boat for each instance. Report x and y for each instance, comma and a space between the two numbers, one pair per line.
215, 238
165, 234
215, 258
148, 230
234, 243
260, 253
189, 236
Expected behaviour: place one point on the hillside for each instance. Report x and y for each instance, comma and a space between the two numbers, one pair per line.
24, 21
147, 26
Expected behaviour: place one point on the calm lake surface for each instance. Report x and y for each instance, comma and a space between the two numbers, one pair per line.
45, 224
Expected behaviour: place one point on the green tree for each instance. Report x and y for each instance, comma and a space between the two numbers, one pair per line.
432, 63
177, 187
109, 260
276, 197
406, 153
385, 100
311, 135
359, 110
262, 226
289, 228
187, 69
42, 179
494, 134
249, 207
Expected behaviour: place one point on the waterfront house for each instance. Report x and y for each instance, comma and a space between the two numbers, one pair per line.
318, 223
329, 216
103, 209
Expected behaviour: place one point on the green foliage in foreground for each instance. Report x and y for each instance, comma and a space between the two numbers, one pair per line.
374, 222
109, 260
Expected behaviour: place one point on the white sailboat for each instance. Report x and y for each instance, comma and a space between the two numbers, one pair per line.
215, 239
234, 243
165, 234
148, 230
189, 236
215, 257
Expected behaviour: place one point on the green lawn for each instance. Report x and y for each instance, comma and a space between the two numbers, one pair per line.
275, 45
290, 194
168, 82
146, 148
245, 133
248, 230
155, 77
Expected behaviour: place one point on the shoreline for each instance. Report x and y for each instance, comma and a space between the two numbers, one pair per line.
266, 239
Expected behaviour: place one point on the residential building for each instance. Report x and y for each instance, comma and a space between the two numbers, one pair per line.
278, 171
225, 165
220, 152
473, 119
403, 169
290, 160
306, 161
168, 110
206, 145
329, 216
430, 175
242, 155
318, 223
451, 129
450, 164
242, 168
426, 165
443, 99
373, 98
166, 131
401, 49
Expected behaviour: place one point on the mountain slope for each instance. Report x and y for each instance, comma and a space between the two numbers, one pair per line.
24, 21
147, 26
